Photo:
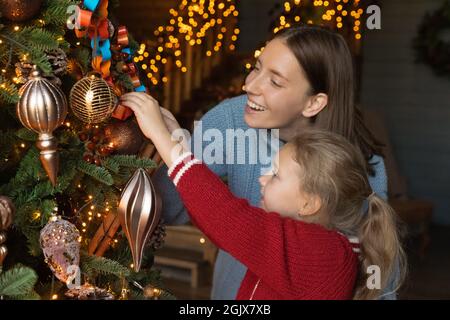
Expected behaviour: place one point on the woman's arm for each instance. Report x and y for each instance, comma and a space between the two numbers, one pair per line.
173, 209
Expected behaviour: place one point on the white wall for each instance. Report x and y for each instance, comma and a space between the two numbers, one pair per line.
415, 102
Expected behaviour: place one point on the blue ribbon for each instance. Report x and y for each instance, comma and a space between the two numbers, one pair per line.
103, 48
91, 4
141, 88
127, 51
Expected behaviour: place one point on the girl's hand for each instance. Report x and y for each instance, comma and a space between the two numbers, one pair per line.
156, 123
147, 112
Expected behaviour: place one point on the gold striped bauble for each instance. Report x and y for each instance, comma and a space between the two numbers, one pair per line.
92, 100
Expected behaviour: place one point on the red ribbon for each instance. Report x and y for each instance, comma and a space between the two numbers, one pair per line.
95, 27
123, 112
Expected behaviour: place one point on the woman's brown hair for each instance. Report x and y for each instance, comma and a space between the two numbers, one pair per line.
334, 170
327, 63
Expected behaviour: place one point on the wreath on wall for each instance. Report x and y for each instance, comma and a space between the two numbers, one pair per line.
432, 43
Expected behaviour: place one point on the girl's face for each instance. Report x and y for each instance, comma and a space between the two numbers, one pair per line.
281, 189
277, 88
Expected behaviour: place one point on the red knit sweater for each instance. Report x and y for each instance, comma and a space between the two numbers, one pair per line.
286, 259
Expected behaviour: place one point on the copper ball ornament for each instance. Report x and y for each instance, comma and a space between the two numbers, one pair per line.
7, 211
124, 137
19, 10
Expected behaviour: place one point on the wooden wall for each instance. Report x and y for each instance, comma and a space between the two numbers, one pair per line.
414, 102
142, 17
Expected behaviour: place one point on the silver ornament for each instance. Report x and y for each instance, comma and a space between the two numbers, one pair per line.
59, 240
42, 108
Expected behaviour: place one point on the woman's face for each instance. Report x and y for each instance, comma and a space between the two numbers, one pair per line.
277, 88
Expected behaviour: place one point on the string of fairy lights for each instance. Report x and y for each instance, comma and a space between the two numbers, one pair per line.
189, 24
334, 13
339, 12
192, 20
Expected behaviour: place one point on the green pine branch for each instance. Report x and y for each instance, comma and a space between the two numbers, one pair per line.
111, 164
26, 134
38, 39
18, 283
33, 42
132, 161
29, 225
7, 139
30, 171
98, 173
30, 188
8, 92
94, 265
32, 295
55, 11
68, 170
33, 237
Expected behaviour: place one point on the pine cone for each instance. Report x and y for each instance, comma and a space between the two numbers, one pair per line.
58, 60
157, 238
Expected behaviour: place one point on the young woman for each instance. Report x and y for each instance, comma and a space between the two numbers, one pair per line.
309, 238
302, 79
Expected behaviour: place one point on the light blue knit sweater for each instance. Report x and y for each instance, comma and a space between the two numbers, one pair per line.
243, 182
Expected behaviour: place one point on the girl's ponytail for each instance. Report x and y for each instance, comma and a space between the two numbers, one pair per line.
380, 246
335, 170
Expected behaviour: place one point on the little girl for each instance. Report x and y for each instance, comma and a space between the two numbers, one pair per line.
308, 240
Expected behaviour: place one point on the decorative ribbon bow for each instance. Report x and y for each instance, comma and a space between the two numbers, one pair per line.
97, 30
96, 27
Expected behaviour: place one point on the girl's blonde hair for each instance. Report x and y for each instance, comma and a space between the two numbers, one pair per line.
335, 170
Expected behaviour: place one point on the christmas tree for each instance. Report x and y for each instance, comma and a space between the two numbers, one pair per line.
62, 175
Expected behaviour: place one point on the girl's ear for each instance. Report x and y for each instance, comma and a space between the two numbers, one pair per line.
315, 104
310, 206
